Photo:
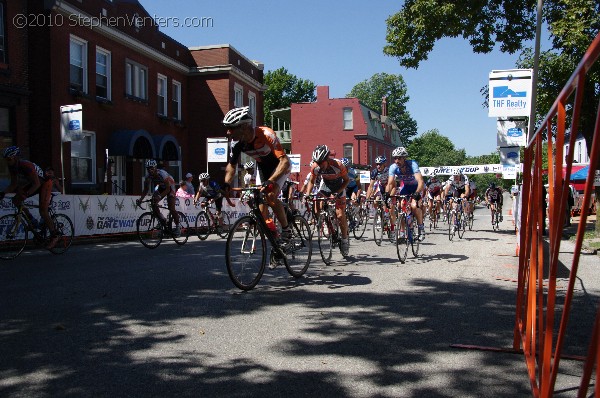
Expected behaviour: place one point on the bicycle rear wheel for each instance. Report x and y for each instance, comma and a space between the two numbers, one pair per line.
202, 225
299, 251
184, 227
362, 221
325, 238
13, 237
246, 253
378, 227
414, 237
222, 230
471, 220
462, 225
149, 230
451, 226
401, 242
64, 230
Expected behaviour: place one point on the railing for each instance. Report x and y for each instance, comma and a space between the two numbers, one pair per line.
536, 308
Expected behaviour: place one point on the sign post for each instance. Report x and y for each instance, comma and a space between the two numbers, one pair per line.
71, 129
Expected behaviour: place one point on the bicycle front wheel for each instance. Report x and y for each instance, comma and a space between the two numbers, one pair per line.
202, 225
246, 253
149, 230
299, 251
401, 237
223, 229
361, 220
462, 225
13, 237
184, 227
64, 230
451, 226
414, 238
471, 220
325, 238
378, 228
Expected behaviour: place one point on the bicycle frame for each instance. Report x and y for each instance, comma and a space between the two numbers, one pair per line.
256, 214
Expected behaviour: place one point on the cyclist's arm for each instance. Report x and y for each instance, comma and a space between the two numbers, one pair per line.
420, 183
310, 184
345, 182
282, 168
370, 189
145, 191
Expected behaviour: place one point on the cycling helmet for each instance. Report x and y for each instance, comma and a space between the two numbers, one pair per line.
320, 154
492, 185
456, 172
249, 165
151, 163
237, 116
345, 161
204, 176
11, 151
399, 152
380, 159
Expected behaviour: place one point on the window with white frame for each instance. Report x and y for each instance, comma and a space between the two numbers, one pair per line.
252, 106
103, 81
348, 119
348, 152
161, 91
2, 35
83, 159
78, 64
238, 99
136, 80
176, 100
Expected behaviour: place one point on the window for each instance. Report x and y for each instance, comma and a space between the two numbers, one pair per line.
238, 99
103, 73
176, 100
161, 91
83, 160
252, 105
347, 118
78, 61
2, 36
348, 152
136, 80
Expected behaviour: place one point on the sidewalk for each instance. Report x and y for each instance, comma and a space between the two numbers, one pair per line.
590, 246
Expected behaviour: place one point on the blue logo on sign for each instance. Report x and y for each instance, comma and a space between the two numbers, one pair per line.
512, 155
514, 132
505, 92
74, 125
220, 151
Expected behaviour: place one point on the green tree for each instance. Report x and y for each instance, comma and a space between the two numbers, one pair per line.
371, 92
432, 149
284, 88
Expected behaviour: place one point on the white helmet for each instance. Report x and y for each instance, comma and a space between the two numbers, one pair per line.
204, 176
151, 163
400, 152
237, 116
249, 165
320, 153
345, 161
380, 159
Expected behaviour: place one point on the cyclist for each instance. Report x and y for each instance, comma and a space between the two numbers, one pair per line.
379, 179
353, 189
494, 199
211, 191
434, 193
273, 164
249, 179
408, 172
288, 193
335, 180
470, 209
458, 187
34, 182
164, 186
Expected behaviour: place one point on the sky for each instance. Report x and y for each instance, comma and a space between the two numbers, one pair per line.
339, 44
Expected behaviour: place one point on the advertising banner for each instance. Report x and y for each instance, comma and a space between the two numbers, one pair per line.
216, 150
511, 133
295, 161
510, 93
71, 122
510, 156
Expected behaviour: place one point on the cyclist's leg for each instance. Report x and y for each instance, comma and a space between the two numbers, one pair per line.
171, 205
219, 206
45, 195
340, 212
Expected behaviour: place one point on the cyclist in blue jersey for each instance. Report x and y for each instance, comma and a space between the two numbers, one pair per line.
352, 189
379, 178
407, 172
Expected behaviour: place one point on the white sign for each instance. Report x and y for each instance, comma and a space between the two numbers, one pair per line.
510, 156
295, 161
365, 177
71, 123
509, 172
511, 133
510, 93
216, 150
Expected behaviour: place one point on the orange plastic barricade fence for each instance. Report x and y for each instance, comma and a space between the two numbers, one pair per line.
536, 303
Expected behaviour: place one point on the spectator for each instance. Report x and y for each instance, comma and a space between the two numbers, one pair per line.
570, 204
189, 187
182, 191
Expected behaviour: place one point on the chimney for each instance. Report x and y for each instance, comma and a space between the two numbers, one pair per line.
322, 93
384, 106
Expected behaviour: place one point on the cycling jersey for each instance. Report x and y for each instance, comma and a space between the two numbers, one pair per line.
473, 189
434, 187
458, 187
406, 174
333, 175
380, 178
493, 195
352, 176
162, 180
265, 148
211, 191
317, 184
26, 169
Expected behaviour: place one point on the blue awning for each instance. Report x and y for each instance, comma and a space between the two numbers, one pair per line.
167, 147
581, 174
138, 144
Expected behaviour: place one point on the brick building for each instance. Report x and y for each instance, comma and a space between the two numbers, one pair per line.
144, 95
345, 125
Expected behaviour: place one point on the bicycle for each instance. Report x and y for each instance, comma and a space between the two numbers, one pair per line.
15, 230
458, 223
470, 217
246, 248
151, 228
328, 230
357, 217
434, 215
496, 216
381, 223
207, 222
406, 230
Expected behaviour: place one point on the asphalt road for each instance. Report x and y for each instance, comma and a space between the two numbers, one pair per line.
119, 320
